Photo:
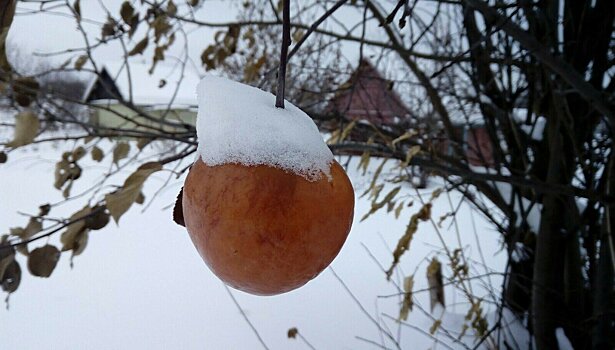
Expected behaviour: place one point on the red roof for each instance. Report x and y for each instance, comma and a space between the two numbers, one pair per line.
368, 96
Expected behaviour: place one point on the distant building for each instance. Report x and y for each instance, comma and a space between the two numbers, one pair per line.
368, 96
476, 144
167, 94
102, 87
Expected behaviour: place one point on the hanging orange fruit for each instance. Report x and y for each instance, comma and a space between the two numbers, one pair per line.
265, 203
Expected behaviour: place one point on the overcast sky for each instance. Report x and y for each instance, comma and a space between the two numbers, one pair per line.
56, 30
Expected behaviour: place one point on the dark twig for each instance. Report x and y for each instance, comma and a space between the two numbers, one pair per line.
279, 100
315, 25
365, 312
274, 10
63, 226
542, 54
391, 16
245, 317
306, 341
373, 343
420, 330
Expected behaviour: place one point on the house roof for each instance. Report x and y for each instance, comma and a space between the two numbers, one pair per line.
369, 96
167, 84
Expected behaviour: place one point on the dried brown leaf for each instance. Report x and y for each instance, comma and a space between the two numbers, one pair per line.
11, 277
34, 226
97, 154
140, 198
109, 28
42, 261
66, 191
127, 11
178, 209
292, 333
404, 242
434, 327
344, 134
139, 47
161, 27
81, 61
77, 8
62, 173
26, 129
7, 257
377, 173
407, 303
134, 25
98, 220
120, 151
121, 200
78, 153
378, 205
44, 209
22, 249
171, 8
435, 283
436, 193
69, 238
79, 244
298, 35
405, 136
143, 142
398, 210
412, 151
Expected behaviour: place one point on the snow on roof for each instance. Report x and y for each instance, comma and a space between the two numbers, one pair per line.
91, 82
238, 123
169, 83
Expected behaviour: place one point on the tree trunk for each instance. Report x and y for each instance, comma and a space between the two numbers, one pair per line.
604, 295
549, 259
546, 291
604, 332
574, 292
518, 290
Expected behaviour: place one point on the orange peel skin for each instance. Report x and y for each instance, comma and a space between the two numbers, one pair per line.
263, 230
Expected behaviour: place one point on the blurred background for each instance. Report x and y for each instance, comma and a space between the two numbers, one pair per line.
477, 136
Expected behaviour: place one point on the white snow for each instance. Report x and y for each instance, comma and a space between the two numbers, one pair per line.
520, 253
522, 206
562, 340
142, 285
535, 129
536, 132
239, 123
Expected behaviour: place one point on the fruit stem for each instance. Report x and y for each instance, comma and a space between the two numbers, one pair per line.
279, 100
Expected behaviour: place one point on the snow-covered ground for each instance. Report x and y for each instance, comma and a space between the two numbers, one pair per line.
142, 285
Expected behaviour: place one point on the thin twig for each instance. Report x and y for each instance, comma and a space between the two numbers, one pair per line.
371, 318
306, 341
420, 330
373, 343
245, 317
315, 25
30, 240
